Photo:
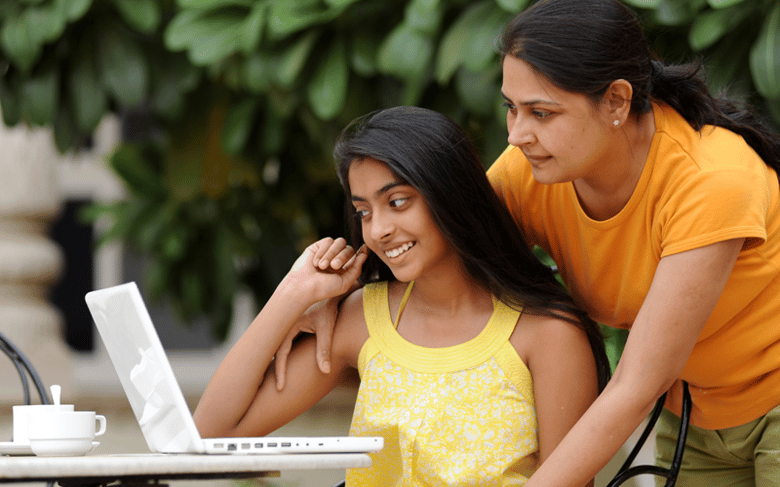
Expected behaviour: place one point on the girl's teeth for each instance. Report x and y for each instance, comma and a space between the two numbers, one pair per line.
400, 250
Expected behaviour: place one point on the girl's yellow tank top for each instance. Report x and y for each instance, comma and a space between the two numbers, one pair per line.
459, 415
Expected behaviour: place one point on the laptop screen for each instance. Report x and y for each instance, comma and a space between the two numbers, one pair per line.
146, 375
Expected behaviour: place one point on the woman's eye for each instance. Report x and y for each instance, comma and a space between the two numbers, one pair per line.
508, 106
361, 213
540, 115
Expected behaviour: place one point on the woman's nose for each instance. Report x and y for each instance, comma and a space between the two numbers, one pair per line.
519, 133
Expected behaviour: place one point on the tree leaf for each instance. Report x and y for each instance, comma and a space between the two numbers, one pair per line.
122, 66
130, 163
480, 52
774, 110
181, 30
723, 3
10, 103
87, 96
424, 15
405, 53
477, 90
710, 26
44, 24
19, 44
252, 31
677, 12
65, 133
765, 56
212, 4
172, 78
340, 4
327, 90
256, 72
208, 51
648, 4
363, 53
73, 9
144, 15
512, 6
454, 44
287, 18
293, 59
190, 27
238, 126
40, 96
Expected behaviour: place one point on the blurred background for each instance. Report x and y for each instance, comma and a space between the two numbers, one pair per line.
186, 145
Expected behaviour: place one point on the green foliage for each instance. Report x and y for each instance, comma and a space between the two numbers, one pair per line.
231, 175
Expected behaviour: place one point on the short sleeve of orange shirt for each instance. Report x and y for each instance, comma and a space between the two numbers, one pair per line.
697, 188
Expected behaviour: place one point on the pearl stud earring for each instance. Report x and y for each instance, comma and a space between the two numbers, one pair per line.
616, 123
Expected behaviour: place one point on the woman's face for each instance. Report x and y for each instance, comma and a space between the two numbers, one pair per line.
562, 134
396, 222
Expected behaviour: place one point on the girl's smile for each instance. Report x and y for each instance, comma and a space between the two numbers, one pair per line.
396, 222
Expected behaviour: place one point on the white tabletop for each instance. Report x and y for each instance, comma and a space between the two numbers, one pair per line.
108, 468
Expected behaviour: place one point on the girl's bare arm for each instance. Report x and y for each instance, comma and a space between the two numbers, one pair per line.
241, 399
563, 371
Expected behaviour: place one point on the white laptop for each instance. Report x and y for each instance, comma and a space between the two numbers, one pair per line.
156, 398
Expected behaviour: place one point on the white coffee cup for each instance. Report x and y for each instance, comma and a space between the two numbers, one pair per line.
20, 414
64, 433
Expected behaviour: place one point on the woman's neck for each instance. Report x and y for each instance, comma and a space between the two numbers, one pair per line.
603, 194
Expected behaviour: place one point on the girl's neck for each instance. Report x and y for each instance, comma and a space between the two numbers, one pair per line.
441, 315
449, 297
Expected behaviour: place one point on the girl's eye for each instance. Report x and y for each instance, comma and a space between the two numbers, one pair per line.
361, 213
397, 202
508, 105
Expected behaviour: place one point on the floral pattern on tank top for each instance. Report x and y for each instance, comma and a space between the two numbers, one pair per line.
460, 415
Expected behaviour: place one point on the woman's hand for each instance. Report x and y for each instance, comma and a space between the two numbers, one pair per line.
331, 256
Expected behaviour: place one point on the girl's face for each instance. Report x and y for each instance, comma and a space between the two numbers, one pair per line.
562, 134
396, 222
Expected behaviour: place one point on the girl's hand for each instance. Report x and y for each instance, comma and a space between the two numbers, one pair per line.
320, 318
327, 268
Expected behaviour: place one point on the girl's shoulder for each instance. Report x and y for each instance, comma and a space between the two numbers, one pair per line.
540, 335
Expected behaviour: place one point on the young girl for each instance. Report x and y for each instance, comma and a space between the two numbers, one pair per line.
474, 362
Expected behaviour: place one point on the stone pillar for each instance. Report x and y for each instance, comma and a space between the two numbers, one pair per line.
30, 262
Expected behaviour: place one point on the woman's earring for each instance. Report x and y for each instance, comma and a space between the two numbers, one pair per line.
616, 123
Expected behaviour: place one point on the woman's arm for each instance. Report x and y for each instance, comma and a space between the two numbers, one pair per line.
241, 399
685, 289
319, 319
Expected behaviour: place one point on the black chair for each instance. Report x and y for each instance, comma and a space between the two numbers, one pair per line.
626, 471
24, 367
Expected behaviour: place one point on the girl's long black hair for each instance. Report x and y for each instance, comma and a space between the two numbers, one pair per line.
434, 155
582, 46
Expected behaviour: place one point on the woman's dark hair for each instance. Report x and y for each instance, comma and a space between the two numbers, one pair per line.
430, 152
582, 46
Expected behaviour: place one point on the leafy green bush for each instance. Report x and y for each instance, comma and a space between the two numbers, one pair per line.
231, 107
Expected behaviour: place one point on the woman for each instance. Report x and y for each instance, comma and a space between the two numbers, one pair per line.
463, 342
660, 205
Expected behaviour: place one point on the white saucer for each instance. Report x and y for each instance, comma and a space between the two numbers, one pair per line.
17, 448
14, 448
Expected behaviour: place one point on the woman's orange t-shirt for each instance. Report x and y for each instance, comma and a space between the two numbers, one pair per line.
696, 188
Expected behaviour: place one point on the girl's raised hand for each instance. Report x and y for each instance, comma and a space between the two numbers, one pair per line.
329, 256
327, 268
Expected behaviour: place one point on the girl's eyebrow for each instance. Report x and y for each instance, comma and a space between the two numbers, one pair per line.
531, 102
384, 189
